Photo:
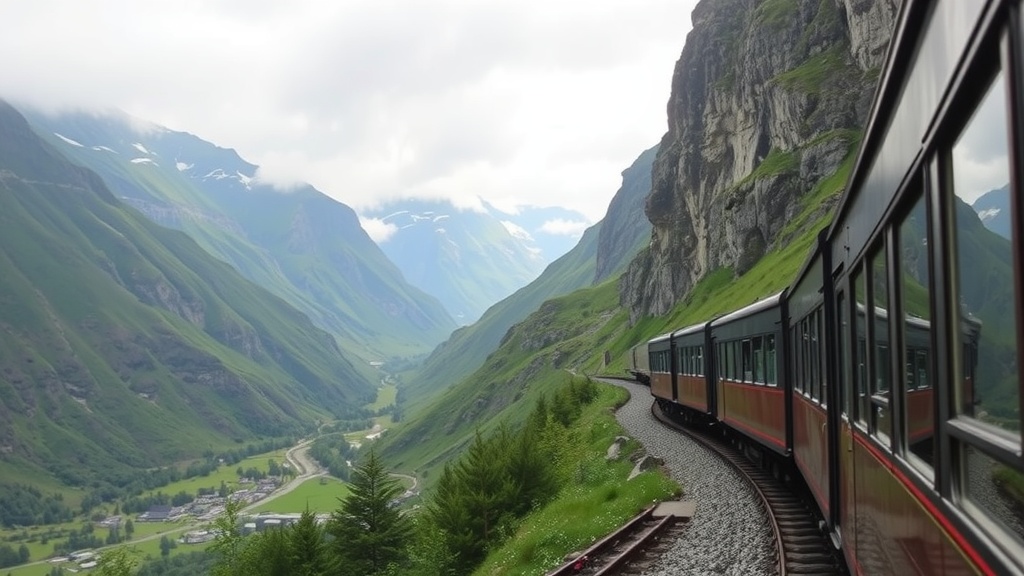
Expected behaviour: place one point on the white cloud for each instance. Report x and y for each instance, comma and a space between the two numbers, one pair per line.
561, 227
378, 230
518, 102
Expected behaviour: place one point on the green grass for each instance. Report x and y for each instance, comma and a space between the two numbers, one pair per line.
226, 473
813, 74
385, 397
775, 14
320, 494
569, 522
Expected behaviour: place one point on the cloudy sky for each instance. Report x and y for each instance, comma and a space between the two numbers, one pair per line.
524, 102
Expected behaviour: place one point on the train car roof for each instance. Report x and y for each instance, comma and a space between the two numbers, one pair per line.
759, 306
691, 329
660, 338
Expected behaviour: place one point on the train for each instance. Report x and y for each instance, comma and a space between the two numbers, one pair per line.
886, 374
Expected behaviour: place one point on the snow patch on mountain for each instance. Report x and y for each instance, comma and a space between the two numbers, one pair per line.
987, 215
68, 140
104, 149
517, 231
138, 146
144, 161
181, 166
245, 180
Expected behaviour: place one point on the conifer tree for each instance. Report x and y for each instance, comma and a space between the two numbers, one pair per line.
269, 553
307, 549
370, 534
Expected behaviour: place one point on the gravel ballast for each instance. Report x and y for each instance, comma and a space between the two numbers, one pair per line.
728, 533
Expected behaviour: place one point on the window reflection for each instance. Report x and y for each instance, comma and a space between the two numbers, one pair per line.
881, 424
918, 411
992, 488
986, 351
860, 366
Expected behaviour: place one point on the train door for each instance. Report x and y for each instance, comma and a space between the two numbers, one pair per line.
845, 510
832, 395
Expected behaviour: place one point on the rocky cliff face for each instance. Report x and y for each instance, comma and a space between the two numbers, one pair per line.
767, 101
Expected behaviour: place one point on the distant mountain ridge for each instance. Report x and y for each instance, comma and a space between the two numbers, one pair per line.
124, 345
993, 208
467, 259
302, 245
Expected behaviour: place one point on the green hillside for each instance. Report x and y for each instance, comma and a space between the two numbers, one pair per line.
123, 345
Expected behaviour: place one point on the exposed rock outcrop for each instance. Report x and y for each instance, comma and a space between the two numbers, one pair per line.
767, 102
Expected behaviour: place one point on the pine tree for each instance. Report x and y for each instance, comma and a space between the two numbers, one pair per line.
370, 534
307, 549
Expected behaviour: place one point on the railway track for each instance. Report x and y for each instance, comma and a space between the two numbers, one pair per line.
800, 546
632, 548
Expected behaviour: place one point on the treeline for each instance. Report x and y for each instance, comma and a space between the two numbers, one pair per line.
11, 557
333, 453
22, 505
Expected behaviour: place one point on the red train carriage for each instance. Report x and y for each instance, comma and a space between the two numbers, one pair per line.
749, 394
806, 350
920, 407
660, 358
904, 421
693, 389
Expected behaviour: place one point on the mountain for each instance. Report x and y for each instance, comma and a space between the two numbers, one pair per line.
550, 230
623, 230
993, 208
467, 259
124, 345
301, 245
765, 114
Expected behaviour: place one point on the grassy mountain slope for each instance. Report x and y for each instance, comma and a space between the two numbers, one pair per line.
124, 345
301, 245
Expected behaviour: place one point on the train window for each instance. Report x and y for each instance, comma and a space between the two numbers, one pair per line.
815, 347
985, 492
918, 442
769, 360
819, 351
860, 346
801, 352
748, 361
794, 353
700, 360
841, 340
986, 359
758, 359
736, 376
723, 363
728, 374
880, 423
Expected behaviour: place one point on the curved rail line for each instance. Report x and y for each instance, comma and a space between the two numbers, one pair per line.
611, 554
800, 546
